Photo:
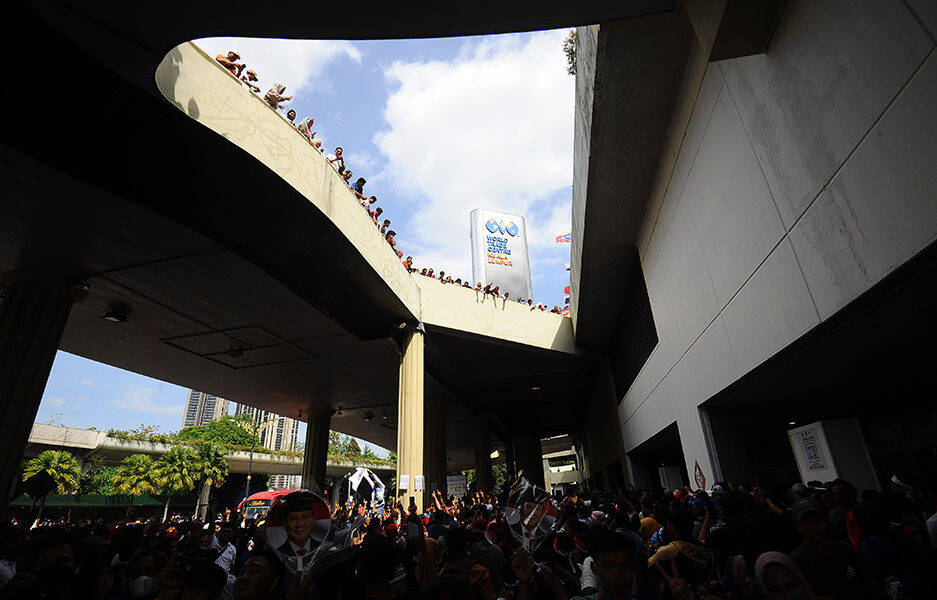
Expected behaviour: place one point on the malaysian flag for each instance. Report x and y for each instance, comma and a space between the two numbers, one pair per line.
564, 239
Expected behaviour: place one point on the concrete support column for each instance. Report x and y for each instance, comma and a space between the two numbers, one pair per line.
336, 493
33, 315
530, 458
410, 416
316, 455
483, 479
435, 453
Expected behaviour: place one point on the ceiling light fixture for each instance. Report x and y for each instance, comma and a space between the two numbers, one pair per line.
368, 416
339, 413
792, 423
117, 312
384, 416
115, 317
535, 388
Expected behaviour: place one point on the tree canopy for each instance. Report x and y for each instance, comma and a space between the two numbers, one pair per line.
212, 466
228, 430
134, 476
60, 465
177, 469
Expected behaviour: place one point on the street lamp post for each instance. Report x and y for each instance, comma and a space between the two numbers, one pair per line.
255, 428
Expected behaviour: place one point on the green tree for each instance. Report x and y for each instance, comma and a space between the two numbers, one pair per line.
499, 473
569, 47
352, 449
228, 431
176, 471
335, 444
61, 466
98, 482
367, 453
212, 469
135, 476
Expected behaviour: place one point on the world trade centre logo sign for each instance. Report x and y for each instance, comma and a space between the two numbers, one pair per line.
499, 252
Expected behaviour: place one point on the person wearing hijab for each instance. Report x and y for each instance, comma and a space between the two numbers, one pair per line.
275, 95
305, 128
778, 578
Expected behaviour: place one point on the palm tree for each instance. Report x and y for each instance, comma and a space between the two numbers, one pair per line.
135, 476
211, 470
176, 471
61, 466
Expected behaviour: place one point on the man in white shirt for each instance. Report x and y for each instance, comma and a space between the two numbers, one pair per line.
336, 160
225, 560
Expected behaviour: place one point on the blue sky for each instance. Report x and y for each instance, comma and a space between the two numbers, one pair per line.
437, 127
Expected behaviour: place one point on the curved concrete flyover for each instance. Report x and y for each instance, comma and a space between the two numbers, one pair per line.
236, 283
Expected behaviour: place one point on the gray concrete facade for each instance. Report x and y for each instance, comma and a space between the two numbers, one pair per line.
791, 183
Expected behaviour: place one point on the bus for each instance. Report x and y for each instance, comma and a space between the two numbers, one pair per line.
257, 505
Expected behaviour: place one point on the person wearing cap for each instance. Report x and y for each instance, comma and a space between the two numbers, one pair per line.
230, 62
832, 568
298, 521
249, 76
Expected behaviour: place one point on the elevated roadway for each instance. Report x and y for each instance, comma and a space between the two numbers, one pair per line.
86, 443
243, 265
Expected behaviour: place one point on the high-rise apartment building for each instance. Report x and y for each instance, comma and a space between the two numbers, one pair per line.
280, 433
202, 407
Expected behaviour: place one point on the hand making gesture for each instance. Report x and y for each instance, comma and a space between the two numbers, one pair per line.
679, 588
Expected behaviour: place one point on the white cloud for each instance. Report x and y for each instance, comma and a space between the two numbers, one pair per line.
89, 383
57, 402
143, 398
298, 64
492, 128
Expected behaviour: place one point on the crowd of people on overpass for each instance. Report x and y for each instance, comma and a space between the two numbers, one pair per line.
488, 290
815, 541
275, 98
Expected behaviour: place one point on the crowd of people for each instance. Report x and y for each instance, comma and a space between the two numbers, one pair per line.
275, 98
489, 289
730, 542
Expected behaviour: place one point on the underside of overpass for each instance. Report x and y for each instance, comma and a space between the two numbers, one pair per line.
239, 284
232, 280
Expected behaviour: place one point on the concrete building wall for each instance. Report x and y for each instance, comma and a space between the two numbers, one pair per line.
792, 182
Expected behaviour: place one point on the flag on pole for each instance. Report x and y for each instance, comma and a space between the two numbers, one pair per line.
564, 239
566, 290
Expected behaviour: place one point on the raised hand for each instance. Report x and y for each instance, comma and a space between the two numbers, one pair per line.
679, 588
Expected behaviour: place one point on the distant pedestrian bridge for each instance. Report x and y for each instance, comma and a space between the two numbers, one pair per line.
86, 444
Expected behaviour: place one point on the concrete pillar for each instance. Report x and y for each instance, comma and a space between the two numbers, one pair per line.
33, 315
435, 453
315, 457
336, 493
530, 458
410, 417
483, 479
